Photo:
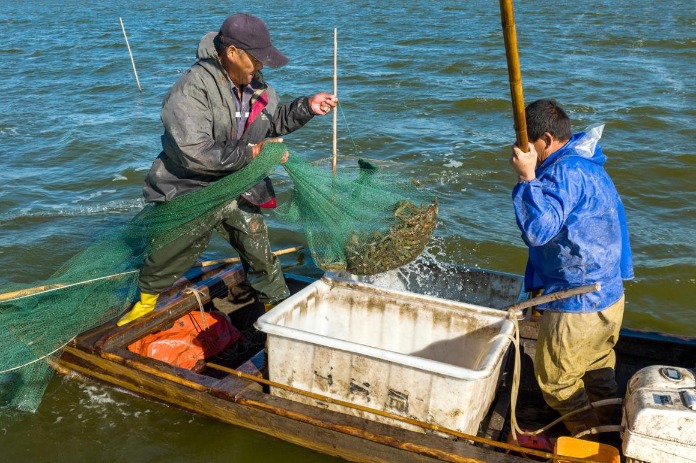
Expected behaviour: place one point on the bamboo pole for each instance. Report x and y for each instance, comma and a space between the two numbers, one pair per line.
27, 292
131, 55
232, 260
47, 288
335, 92
507, 17
22, 293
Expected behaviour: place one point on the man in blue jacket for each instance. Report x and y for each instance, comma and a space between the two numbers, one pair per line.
216, 117
573, 222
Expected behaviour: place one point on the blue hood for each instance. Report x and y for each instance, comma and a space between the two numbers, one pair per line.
584, 144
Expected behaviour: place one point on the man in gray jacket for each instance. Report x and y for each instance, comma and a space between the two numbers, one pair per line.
216, 118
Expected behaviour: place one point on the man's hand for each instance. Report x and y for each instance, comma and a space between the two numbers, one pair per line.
257, 148
524, 163
321, 103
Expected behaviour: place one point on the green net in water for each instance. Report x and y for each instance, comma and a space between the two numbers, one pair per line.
363, 220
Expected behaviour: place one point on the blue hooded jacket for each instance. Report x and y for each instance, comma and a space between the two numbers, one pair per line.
573, 221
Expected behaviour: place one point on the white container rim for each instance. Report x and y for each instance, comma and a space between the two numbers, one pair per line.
268, 324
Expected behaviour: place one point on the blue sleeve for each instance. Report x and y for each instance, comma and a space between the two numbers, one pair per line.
626, 254
531, 278
541, 209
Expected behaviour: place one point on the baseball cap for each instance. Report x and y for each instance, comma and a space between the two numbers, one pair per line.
251, 34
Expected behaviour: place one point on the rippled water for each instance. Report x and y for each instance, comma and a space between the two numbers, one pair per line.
422, 84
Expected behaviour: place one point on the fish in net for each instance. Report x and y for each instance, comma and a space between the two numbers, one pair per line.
365, 221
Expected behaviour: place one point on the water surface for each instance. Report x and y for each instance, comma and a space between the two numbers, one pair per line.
423, 87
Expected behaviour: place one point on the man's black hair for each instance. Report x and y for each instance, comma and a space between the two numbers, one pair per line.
220, 46
547, 116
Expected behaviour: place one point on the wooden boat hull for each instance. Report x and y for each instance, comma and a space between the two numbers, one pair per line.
102, 354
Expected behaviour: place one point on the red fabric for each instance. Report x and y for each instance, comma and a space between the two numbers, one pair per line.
270, 204
259, 106
189, 341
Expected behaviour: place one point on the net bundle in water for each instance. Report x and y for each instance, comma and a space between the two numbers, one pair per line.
366, 223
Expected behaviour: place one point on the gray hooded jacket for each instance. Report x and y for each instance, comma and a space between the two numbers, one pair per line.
199, 145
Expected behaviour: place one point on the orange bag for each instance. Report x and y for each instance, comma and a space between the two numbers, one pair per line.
193, 338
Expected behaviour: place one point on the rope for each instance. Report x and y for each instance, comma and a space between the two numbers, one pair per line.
347, 126
597, 430
38, 359
517, 369
59, 287
197, 294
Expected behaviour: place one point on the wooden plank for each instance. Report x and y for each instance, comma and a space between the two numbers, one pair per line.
656, 348
254, 365
428, 444
529, 329
501, 404
191, 277
231, 386
328, 432
161, 369
94, 339
87, 340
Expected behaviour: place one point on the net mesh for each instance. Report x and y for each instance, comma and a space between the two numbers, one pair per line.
364, 220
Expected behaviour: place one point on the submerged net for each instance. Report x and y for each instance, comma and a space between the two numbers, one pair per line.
365, 223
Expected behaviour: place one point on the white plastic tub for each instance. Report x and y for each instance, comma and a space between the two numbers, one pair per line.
407, 354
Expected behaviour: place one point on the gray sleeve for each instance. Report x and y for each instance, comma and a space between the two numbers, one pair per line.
188, 139
292, 116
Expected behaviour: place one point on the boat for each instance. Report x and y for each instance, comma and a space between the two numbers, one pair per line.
235, 388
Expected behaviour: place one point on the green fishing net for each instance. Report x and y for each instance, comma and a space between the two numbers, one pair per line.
364, 220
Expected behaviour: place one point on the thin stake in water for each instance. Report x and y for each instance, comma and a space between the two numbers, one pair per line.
335, 91
131, 55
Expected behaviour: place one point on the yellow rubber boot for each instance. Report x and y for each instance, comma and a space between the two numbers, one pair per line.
269, 305
144, 306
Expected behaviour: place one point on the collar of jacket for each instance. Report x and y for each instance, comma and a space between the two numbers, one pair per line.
566, 150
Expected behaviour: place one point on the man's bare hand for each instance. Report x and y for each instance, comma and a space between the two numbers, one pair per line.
321, 103
257, 148
524, 163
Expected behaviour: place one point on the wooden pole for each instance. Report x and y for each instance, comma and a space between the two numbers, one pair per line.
335, 92
563, 294
232, 260
131, 55
515, 75
46, 288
